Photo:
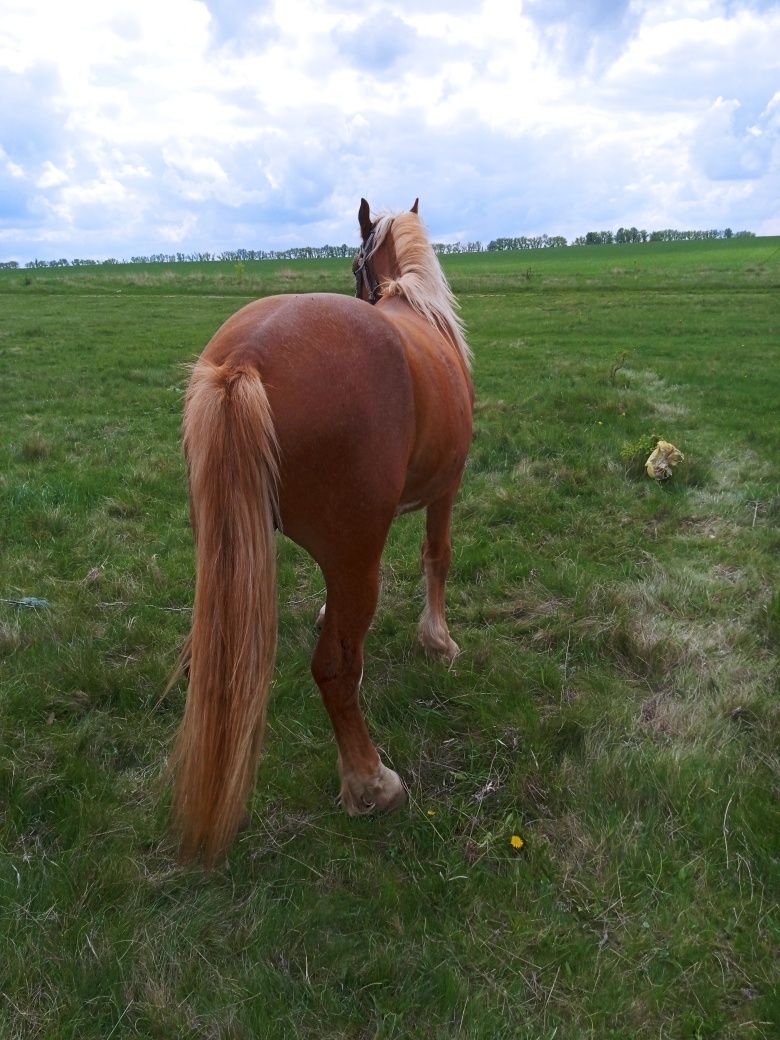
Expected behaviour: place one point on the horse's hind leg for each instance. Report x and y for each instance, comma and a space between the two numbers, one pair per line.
436, 557
337, 666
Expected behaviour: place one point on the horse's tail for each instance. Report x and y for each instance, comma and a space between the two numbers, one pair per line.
231, 451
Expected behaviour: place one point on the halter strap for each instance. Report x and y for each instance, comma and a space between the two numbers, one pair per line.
364, 274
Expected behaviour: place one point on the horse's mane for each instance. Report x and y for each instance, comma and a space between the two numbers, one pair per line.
421, 281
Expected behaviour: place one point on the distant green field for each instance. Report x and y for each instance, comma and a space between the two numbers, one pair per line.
615, 705
742, 262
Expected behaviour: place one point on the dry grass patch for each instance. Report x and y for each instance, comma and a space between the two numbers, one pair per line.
35, 448
688, 633
11, 638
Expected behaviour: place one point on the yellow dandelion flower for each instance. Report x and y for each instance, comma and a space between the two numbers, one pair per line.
516, 841
431, 812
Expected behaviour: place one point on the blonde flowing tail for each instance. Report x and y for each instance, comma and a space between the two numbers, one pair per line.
231, 451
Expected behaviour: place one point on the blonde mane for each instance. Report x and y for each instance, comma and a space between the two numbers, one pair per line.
421, 281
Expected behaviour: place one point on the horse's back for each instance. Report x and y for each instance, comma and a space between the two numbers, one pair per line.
340, 393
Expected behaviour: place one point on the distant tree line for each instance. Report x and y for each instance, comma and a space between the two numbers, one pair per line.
346, 252
446, 248
625, 235
503, 245
342, 252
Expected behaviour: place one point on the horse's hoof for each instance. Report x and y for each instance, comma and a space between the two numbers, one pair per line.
438, 644
384, 791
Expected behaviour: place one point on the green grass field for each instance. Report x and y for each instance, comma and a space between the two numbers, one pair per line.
615, 705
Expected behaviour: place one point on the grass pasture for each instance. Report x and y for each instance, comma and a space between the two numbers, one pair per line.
615, 704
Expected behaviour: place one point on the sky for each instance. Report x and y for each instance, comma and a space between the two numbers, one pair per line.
133, 127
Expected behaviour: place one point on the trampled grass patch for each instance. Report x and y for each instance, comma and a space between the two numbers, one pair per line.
615, 703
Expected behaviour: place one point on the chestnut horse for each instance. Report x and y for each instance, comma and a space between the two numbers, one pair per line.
323, 417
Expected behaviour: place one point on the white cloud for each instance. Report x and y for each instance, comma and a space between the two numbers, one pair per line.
262, 123
51, 176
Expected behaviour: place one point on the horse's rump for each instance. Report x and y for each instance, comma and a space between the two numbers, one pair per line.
340, 391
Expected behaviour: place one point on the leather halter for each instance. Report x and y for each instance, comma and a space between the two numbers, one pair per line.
364, 274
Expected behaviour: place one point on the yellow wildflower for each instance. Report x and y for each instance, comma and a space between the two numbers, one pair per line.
516, 841
431, 812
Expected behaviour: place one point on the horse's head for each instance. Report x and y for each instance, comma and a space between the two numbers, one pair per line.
376, 261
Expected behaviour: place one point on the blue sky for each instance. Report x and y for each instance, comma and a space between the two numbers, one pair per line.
140, 126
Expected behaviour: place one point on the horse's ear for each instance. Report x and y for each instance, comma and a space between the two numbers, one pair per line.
414, 207
364, 219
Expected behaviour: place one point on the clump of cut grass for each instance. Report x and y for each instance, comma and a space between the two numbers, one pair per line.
691, 471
